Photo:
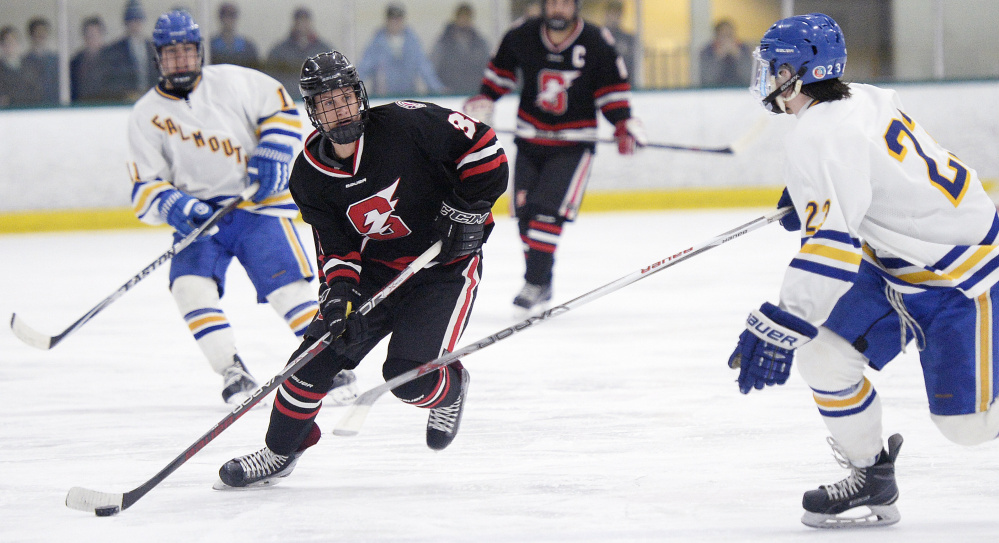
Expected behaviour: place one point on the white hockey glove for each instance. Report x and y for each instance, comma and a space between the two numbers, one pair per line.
630, 134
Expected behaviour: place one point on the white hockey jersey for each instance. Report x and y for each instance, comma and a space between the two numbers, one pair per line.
201, 145
869, 183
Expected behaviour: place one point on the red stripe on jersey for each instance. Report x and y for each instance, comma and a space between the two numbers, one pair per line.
303, 393
498, 90
585, 123
614, 105
466, 303
483, 141
293, 414
433, 399
506, 74
347, 273
538, 245
620, 87
545, 227
488, 166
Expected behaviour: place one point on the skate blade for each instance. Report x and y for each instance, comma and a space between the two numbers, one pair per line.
521, 313
219, 485
859, 517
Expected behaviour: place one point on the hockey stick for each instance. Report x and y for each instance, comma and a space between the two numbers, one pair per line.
735, 147
39, 340
351, 422
105, 504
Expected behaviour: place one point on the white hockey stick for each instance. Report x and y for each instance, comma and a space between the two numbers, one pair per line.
735, 147
351, 422
39, 340
105, 504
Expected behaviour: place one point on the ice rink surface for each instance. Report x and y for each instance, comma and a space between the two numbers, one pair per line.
617, 421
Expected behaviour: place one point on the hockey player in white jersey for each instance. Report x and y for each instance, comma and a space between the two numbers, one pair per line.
898, 242
196, 140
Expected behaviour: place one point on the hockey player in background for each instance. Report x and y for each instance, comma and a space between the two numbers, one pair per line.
898, 243
379, 186
570, 71
196, 140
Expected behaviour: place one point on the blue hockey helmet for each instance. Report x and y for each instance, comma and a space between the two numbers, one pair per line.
173, 28
811, 47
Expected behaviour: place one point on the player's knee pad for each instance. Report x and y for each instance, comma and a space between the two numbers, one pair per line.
296, 303
436, 388
192, 292
971, 429
830, 363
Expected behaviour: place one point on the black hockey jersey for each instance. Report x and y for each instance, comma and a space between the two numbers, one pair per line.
379, 205
563, 85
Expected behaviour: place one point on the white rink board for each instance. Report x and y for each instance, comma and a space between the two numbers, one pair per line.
616, 422
75, 158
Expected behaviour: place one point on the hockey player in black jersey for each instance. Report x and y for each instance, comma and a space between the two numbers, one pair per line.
570, 71
379, 186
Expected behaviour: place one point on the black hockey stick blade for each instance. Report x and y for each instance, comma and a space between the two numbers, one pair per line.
39, 340
351, 422
105, 504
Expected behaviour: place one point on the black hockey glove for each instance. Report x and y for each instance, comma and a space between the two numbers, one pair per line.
461, 228
337, 305
790, 222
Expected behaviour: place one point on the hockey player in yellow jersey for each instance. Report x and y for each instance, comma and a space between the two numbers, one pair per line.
196, 140
898, 243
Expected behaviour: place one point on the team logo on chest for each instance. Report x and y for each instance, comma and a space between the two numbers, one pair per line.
553, 90
374, 216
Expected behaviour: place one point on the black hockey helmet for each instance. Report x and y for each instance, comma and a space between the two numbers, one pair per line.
557, 23
329, 71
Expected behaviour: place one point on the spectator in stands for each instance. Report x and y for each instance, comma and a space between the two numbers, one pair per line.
227, 46
624, 41
461, 54
394, 62
131, 60
725, 61
40, 64
284, 62
14, 87
87, 67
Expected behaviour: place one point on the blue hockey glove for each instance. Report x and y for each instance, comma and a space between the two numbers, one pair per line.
184, 213
790, 222
270, 166
766, 348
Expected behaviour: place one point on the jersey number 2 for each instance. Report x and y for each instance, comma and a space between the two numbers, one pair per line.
953, 189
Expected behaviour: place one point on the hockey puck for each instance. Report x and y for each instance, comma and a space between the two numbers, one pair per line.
107, 511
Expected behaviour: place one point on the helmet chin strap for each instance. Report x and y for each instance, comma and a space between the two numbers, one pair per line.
777, 97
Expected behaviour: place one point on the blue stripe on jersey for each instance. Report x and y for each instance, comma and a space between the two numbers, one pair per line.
841, 237
979, 275
823, 270
205, 331
895, 263
993, 232
848, 412
280, 132
950, 257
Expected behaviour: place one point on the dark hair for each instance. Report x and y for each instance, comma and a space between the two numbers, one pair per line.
35, 23
6, 31
829, 90
91, 21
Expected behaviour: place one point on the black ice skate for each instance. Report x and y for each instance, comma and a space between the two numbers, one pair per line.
532, 295
237, 383
344, 390
442, 426
262, 468
872, 488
